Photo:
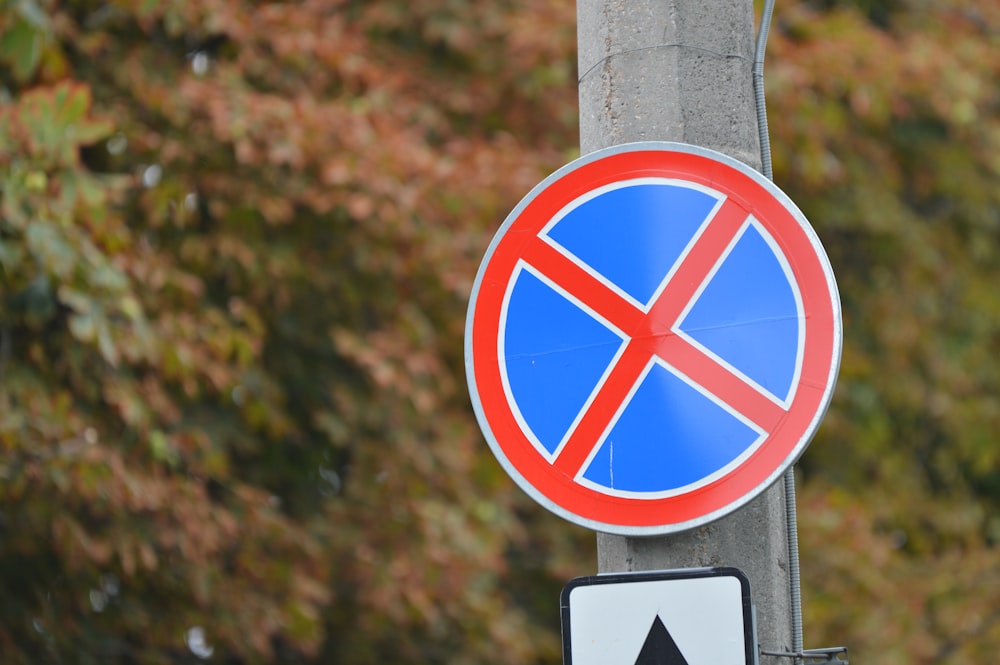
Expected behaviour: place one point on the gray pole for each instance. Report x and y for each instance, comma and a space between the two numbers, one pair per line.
681, 70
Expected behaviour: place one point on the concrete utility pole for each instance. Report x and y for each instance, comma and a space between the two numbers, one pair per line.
681, 70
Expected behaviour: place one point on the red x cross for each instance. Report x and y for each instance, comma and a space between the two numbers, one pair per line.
650, 334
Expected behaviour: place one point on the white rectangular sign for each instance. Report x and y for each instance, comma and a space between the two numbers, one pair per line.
698, 616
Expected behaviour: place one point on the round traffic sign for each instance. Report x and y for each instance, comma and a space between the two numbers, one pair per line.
652, 339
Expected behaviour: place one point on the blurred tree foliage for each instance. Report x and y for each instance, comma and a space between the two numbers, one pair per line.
236, 243
886, 123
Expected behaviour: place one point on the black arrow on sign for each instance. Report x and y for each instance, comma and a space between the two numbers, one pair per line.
659, 647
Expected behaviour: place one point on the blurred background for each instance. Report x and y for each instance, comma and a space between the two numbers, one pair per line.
236, 245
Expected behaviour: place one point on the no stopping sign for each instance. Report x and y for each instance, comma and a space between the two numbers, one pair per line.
652, 339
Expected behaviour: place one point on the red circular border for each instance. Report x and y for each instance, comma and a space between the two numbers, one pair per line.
782, 445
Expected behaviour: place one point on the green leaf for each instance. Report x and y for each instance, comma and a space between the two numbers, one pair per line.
83, 327
91, 131
71, 102
10, 256
21, 47
50, 247
162, 449
33, 14
35, 181
105, 342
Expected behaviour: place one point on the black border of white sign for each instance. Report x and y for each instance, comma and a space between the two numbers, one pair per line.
619, 618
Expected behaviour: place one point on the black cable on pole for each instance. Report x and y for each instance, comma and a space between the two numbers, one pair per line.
791, 517
758, 88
